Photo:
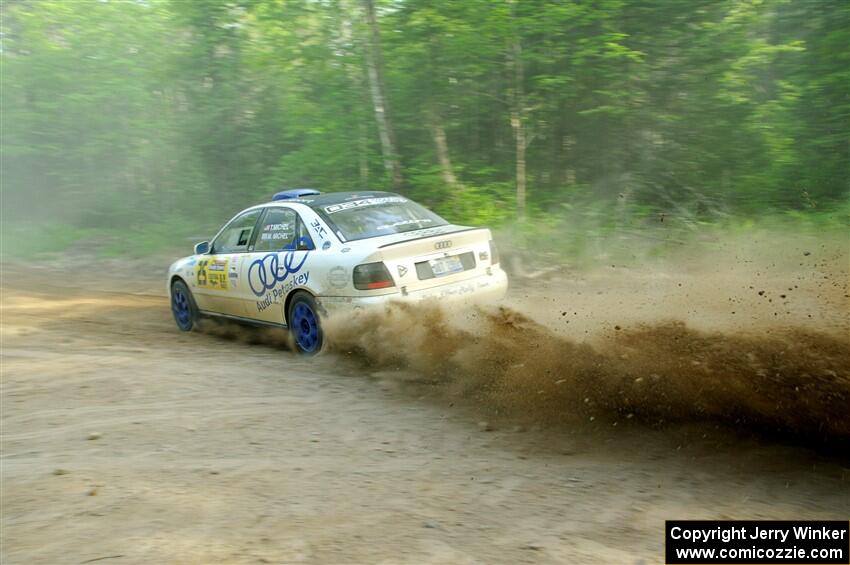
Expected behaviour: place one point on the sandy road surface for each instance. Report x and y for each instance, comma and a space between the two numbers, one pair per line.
125, 441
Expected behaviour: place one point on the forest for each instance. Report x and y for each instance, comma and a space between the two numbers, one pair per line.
156, 120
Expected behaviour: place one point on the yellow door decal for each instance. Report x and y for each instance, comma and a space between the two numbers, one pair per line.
212, 273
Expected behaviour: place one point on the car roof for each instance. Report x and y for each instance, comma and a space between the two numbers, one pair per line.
328, 198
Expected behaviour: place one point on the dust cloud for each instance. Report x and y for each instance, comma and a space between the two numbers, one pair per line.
755, 340
795, 382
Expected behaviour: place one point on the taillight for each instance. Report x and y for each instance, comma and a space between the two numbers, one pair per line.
494, 253
371, 276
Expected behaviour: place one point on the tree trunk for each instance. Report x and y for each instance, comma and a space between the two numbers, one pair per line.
518, 123
355, 74
438, 134
363, 154
374, 67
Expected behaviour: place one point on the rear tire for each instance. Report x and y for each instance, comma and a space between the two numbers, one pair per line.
183, 306
304, 324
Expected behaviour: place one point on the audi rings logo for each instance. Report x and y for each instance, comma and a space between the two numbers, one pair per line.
443, 244
265, 273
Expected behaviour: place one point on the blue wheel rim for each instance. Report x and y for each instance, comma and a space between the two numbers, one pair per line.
181, 309
305, 327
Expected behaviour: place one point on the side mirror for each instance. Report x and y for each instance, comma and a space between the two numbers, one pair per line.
201, 248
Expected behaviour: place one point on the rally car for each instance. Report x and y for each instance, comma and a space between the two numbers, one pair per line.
305, 255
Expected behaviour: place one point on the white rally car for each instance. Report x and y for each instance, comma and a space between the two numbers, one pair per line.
306, 255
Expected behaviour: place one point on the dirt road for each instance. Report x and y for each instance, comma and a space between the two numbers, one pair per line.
125, 441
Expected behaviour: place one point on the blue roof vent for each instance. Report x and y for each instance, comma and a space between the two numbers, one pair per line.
295, 193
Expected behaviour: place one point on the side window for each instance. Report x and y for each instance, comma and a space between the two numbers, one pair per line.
278, 230
237, 234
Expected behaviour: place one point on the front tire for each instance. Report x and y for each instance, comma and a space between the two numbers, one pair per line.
183, 306
304, 324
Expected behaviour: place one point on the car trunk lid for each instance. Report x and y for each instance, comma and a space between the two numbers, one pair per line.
434, 257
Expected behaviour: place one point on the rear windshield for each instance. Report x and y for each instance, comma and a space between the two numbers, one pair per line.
377, 216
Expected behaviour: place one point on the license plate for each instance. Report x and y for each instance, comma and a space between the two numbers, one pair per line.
446, 266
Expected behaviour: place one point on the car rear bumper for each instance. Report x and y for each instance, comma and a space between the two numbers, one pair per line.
481, 289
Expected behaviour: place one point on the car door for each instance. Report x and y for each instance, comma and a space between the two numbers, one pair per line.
277, 264
217, 273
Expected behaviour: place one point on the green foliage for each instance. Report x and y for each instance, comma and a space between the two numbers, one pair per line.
125, 117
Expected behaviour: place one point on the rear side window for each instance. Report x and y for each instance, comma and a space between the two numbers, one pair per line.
280, 229
237, 235
277, 230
